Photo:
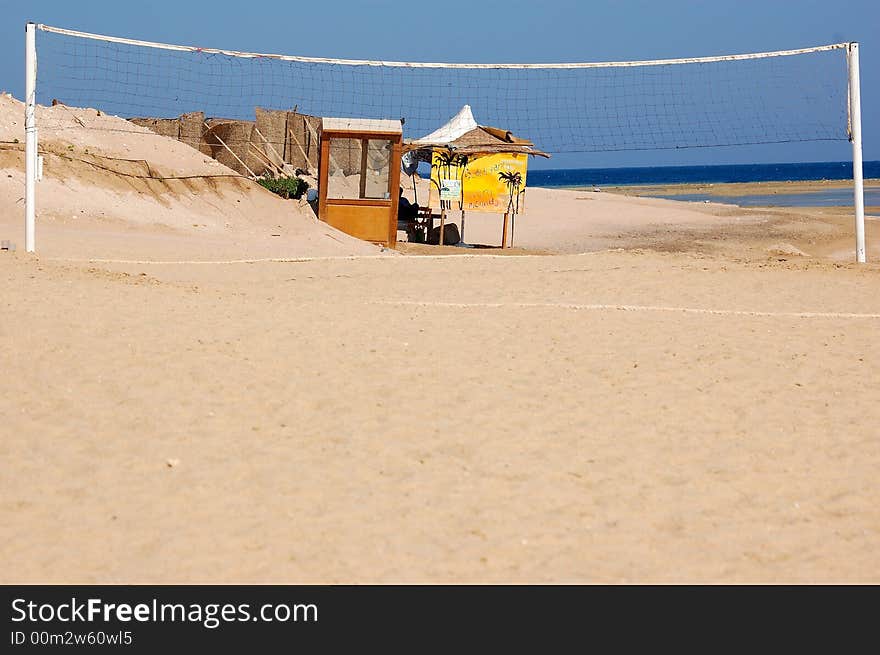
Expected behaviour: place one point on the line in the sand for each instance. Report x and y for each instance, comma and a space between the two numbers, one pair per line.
626, 308
188, 262
294, 260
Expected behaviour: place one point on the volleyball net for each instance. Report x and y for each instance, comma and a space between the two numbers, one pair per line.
735, 100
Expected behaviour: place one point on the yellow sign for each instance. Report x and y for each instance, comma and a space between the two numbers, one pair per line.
491, 183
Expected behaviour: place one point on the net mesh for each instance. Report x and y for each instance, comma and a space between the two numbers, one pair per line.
562, 110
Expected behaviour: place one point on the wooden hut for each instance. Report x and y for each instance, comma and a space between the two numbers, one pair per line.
359, 177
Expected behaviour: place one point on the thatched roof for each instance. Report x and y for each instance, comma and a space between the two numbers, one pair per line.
464, 136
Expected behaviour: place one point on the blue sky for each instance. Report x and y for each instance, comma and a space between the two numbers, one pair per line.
487, 31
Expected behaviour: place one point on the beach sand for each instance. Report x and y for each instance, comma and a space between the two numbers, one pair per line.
739, 188
686, 402
576, 221
441, 420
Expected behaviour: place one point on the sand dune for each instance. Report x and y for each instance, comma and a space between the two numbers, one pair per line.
106, 180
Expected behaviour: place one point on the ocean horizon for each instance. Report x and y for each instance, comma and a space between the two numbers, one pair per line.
714, 174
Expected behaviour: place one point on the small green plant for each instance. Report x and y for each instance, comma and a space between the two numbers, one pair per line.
286, 187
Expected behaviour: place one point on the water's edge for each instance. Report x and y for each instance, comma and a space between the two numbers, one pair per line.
665, 175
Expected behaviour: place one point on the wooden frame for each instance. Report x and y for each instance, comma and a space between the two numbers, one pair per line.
370, 219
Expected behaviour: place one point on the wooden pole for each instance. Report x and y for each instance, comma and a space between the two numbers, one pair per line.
265, 159
442, 223
230, 151
394, 191
365, 144
292, 137
323, 178
314, 135
274, 152
461, 205
506, 230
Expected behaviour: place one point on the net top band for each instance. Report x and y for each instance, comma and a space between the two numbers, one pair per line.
409, 64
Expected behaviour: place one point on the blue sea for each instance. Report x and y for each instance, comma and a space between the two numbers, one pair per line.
599, 177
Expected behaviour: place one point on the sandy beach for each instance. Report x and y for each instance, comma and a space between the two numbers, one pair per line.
579, 220
618, 417
739, 188
643, 390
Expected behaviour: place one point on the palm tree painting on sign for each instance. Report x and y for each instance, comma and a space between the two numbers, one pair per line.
449, 166
514, 182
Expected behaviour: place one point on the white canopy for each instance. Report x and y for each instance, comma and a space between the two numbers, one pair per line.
460, 124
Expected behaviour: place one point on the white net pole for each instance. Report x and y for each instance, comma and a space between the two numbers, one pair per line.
30, 127
855, 118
